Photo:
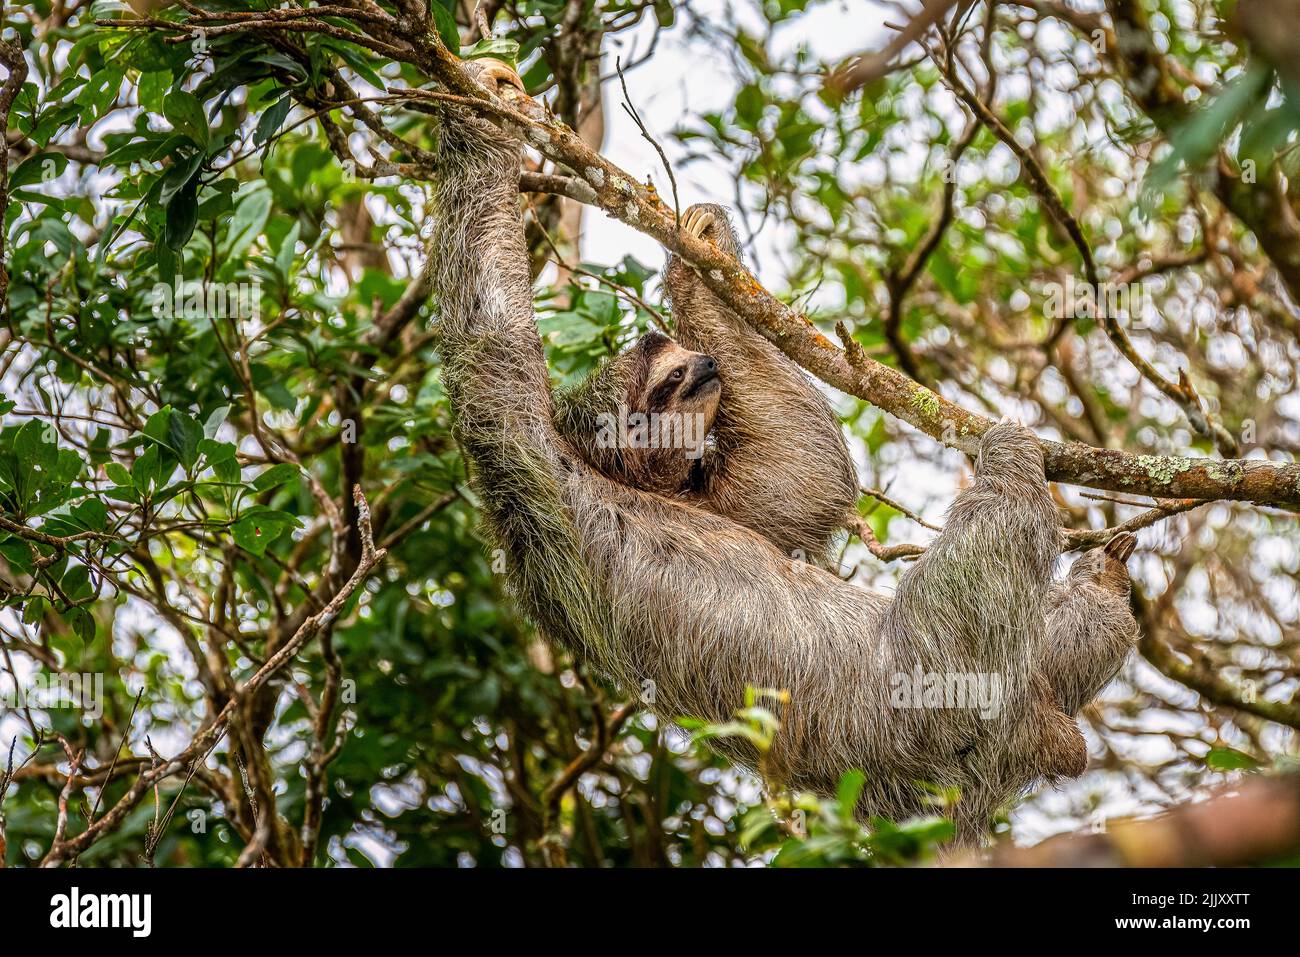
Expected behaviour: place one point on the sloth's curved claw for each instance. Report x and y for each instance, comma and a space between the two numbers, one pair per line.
1121, 546
696, 221
494, 73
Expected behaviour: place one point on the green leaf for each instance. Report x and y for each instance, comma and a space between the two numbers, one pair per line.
38, 168
91, 514
248, 222
83, 624
849, 791
100, 93
284, 255
32, 448
117, 473
182, 216
153, 89
221, 456
213, 423
184, 434
35, 610
1230, 759
270, 384
757, 823
502, 48
274, 476
260, 527
18, 555
358, 62
446, 24
749, 106
76, 582
144, 473
272, 118
184, 112
157, 426
929, 830
178, 177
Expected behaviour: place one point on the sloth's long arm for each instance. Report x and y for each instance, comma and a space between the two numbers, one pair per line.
781, 466
1090, 625
495, 375
494, 367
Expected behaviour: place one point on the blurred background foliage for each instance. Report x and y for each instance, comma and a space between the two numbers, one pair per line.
163, 470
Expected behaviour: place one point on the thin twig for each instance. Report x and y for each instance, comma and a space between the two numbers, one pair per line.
1079, 539
208, 738
630, 110
885, 553
868, 67
898, 507
99, 795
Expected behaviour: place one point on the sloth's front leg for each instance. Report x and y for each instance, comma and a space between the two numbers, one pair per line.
1090, 624
779, 464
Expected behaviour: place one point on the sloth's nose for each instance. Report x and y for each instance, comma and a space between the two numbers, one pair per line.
703, 371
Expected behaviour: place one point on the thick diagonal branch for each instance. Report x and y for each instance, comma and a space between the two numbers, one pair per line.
849, 369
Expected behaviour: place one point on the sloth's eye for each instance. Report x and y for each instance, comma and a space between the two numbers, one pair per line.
676, 375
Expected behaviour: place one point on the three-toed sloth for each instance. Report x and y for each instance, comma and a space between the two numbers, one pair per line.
672, 565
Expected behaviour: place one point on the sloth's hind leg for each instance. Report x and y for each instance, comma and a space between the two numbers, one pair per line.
978, 592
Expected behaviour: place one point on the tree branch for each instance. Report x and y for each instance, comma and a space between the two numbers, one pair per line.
1254, 822
848, 369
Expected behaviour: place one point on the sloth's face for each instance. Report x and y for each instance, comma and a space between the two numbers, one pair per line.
649, 411
671, 399
682, 381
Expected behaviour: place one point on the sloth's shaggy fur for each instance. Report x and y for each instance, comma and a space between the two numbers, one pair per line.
698, 603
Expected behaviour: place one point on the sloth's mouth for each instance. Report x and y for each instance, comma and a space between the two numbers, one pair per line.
708, 378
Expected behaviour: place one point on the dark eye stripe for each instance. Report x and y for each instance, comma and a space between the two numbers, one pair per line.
661, 394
